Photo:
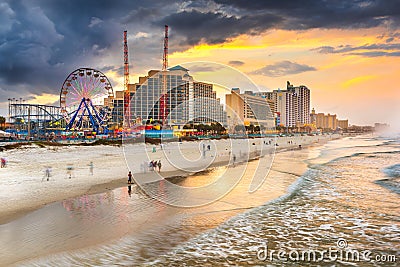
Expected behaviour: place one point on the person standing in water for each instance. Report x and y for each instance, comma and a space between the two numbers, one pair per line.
129, 177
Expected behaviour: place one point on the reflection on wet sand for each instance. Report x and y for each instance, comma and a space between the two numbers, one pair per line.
126, 217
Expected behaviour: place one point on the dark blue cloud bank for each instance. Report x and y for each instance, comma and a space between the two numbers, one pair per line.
42, 41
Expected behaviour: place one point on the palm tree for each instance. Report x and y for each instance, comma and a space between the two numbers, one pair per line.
240, 128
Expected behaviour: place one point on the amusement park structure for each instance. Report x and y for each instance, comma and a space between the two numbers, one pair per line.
127, 95
163, 98
81, 100
32, 118
82, 106
86, 101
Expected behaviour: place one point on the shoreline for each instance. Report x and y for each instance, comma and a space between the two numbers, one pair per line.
88, 188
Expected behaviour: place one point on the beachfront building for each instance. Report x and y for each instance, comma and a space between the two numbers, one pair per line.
286, 107
302, 94
292, 105
207, 107
271, 99
248, 109
330, 121
327, 121
117, 113
343, 124
186, 100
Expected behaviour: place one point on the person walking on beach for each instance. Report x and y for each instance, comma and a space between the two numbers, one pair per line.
47, 173
154, 165
70, 168
234, 159
3, 162
129, 177
91, 168
159, 166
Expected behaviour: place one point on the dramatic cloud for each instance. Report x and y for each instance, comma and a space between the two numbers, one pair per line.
205, 67
195, 27
309, 14
94, 21
42, 41
236, 63
283, 68
373, 50
377, 54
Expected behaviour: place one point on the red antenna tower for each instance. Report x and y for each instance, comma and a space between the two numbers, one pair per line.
163, 99
127, 95
165, 55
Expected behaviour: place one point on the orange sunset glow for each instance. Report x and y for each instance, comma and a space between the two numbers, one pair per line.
362, 89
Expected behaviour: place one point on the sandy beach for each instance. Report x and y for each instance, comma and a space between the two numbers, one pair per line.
62, 215
24, 187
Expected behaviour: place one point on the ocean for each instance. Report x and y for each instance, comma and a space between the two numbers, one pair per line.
343, 210
348, 204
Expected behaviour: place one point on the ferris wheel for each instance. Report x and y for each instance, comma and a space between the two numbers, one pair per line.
82, 100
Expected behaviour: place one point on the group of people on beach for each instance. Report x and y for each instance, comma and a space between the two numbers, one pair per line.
154, 164
70, 171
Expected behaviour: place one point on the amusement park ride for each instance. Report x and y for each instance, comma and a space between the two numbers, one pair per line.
81, 100
82, 106
164, 93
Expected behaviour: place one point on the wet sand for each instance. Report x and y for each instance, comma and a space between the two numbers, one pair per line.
25, 191
86, 228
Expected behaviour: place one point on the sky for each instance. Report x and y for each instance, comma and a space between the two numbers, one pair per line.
346, 52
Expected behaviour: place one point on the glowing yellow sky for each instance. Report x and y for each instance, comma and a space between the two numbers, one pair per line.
44, 99
362, 89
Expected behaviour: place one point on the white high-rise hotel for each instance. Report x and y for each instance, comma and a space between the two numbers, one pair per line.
293, 105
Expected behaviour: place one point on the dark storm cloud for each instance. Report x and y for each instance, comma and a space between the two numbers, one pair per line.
42, 41
232, 18
309, 14
195, 27
236, 63
368, 50
282, 68
119, 70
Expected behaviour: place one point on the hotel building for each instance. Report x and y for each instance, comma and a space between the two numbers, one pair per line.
292, 105
248, 108
186, 100
302, 94
327, 121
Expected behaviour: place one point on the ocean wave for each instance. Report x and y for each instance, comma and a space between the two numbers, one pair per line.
331, 201
392, 171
